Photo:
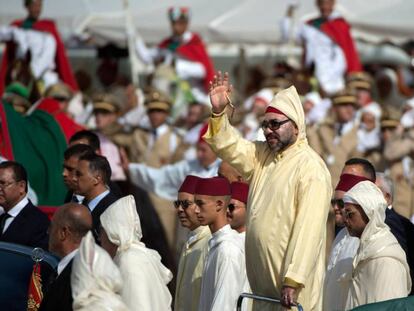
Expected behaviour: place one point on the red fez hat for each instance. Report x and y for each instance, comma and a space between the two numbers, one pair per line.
347, 181
239, 191
274, 110
214, 186
202, 132
189, 184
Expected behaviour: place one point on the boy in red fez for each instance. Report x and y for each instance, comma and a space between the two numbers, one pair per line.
236, 210
224, 276
192, 258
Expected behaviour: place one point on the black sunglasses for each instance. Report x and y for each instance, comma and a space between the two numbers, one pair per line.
184, 203
231, 207
338, 202
273, 124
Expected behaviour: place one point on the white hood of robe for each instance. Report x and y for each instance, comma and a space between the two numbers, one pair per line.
122, 226
96, 281
376, 238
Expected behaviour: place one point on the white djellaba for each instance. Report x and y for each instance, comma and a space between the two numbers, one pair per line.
145, 278
96, 281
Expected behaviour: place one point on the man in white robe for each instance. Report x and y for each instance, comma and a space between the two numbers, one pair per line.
224, 276
288, 198
165, 181
96, 281
144, 277
192, 259
380, 270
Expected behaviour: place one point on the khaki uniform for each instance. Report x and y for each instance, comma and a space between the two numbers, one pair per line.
399, 152
313, 137
336, 154
157, 148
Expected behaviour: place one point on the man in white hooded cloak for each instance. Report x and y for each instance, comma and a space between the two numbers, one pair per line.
96, 281
145, 278
380, 270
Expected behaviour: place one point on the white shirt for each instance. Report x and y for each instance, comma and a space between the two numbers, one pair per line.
184, 68
42, 46
65, 261
224, 275
339, 272
166, 181
14, 211
95, 201
328, 57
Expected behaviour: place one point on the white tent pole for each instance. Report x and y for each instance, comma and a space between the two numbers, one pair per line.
130, 32
290, 59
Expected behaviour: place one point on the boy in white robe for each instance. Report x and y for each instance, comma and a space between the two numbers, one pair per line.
224, 275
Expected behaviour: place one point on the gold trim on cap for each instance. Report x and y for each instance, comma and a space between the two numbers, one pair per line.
389, 123
158, 105
360, 85
104, 106
345, 99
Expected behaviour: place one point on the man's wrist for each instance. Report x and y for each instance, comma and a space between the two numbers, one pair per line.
215, 114
291, 283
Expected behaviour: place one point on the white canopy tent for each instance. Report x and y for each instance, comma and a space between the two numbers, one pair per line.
229, 21
226, 25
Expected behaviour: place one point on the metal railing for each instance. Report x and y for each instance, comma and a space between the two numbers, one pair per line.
262, 298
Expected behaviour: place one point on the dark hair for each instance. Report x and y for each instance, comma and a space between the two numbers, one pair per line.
98, 164
19, 172
77, 151
367, 167
91, 137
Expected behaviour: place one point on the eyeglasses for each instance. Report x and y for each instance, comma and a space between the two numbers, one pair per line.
273, 124
338, 202
231, 207
184, 203
4, 185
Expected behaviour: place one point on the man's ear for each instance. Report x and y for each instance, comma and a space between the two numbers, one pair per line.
63, 233
97, 178
219, 205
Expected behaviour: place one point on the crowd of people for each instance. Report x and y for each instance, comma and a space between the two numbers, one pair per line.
187, 191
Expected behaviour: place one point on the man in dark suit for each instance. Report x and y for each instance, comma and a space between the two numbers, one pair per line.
69, 224
22, 222
70, 163
93, 174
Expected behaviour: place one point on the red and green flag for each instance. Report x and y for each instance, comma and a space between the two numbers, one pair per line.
38, 142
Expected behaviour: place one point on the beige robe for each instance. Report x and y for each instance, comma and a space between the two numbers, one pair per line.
190, 270
288, 204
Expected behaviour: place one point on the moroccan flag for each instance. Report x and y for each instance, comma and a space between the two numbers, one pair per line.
35, 294
38, 143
